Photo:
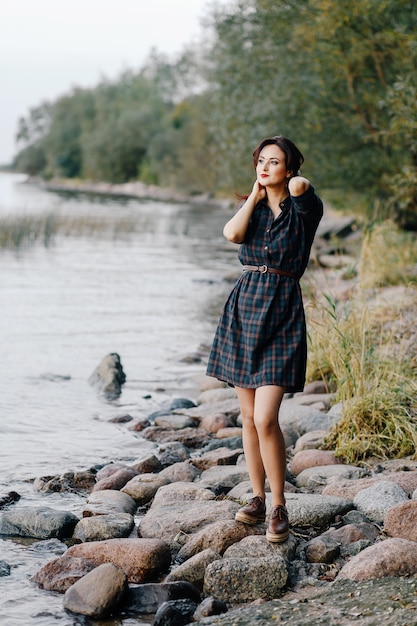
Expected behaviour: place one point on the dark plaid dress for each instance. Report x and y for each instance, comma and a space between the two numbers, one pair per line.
261, 335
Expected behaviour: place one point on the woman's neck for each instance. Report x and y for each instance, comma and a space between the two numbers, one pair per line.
275, 197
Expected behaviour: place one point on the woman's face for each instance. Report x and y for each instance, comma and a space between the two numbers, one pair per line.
271, 170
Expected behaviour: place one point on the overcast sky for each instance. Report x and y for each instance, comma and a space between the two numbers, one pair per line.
49, 46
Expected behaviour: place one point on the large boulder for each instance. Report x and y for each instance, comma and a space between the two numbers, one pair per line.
98, 592
142, 560
392, 557
108, 377
41, 523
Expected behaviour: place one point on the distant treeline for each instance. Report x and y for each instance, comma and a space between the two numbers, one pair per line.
337, 77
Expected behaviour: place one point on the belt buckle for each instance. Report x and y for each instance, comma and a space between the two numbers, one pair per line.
263, 269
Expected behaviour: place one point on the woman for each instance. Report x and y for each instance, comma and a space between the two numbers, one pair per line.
260, 344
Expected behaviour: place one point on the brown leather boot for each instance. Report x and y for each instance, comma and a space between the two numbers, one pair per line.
278, 528
253, 512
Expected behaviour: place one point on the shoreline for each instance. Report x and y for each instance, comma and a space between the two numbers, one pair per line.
136, 189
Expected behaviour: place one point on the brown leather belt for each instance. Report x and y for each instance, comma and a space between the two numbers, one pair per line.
263, 269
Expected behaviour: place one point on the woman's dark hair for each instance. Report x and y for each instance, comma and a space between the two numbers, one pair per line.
293, 157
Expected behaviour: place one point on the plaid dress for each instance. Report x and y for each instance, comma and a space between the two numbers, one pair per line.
261, 335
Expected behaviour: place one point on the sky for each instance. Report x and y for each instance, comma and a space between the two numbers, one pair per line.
47, 47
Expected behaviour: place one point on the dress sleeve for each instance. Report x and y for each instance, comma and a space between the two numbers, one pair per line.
309, 204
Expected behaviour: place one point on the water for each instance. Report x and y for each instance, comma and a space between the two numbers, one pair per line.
152, 295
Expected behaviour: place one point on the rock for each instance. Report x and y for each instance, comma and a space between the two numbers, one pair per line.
209, 606
303, 419
4, 568
229, 409
310, 441
306, 459
9, 498
184, 517
354, 517
172, 452
351, 533
175, 613
312, 399
220, 456
59, 574
145, 599
217, 394
316, 477
190, 437
317, 387
222, 478
407, 480
139, 425
175, 422
401, 520
255, 546
176, 492
70, 481
40, 522
180, 472
305, 510
227, 433
108, 377
97, 592
115, 481
149, 465
246, 579
392, 557
378, 498
321, 550
232, 443
143, 487
194, 568
100, 527
142, 560
121, 419
218, 536
109, 501
389, 601
214, 423
109, 470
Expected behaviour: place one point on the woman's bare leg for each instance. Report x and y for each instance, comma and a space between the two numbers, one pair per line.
270, 438
250, 439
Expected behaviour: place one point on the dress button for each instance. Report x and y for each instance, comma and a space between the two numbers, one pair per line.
266, 248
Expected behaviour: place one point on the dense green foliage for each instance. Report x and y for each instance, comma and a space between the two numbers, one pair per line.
338, 77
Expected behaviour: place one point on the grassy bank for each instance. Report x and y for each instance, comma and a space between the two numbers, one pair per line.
366, 347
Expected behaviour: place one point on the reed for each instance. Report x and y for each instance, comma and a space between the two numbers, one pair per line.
23, 231
357, 347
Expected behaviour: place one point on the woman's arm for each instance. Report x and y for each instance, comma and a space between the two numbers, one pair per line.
235, 229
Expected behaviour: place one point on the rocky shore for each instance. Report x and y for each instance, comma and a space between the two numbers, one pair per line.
157, 537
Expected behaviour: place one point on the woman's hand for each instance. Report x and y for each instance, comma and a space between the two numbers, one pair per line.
298, 185
258, 192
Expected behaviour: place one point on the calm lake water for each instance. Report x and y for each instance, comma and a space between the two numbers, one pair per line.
150, 291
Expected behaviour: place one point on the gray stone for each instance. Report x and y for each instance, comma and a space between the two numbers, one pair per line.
100, 527
310, 441
40, 522
175, 422
172, 452
184, 517
143, 487
255, 546
108, 377
209, 606
175, 613
222, 478
146, 598
109, 501
321, 550
305, 510
4, 569
180, 472
246, 579
303, 419
97, 592
176, 492
318, 477
375, 501
218, 536
194, 568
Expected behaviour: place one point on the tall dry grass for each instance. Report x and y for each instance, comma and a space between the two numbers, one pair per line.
22, 231
367, 347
